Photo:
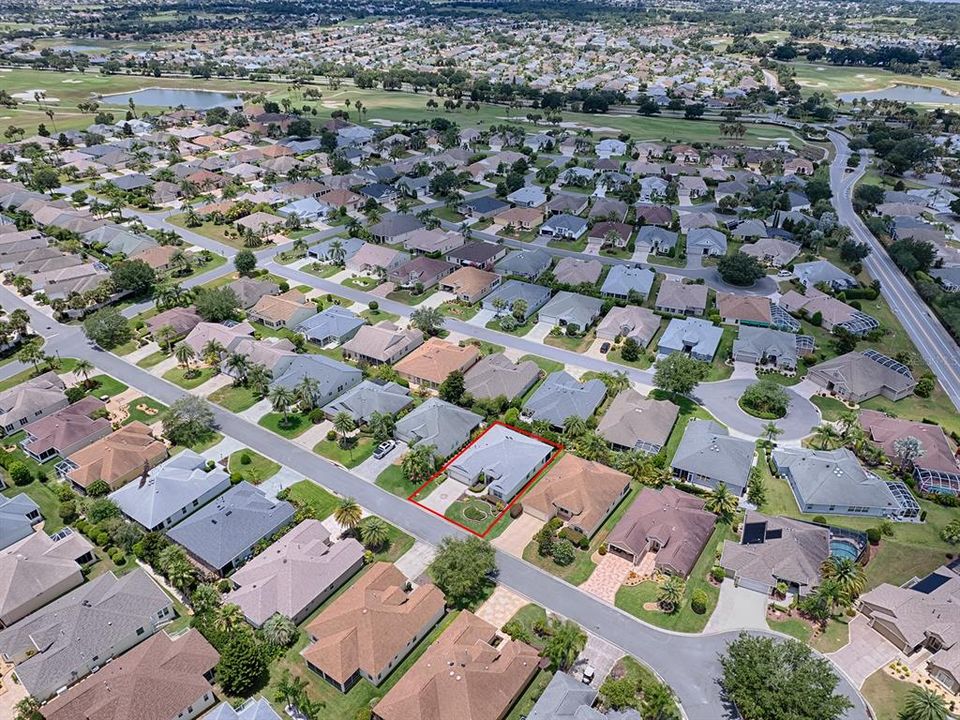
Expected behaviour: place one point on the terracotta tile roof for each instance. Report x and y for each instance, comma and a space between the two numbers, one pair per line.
370, 623
469, 280
280, 308
436, 359
750, 308
117, 457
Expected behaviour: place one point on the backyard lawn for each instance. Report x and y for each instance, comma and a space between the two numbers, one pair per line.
361, 447
234, 398
689, 410
256, 470
45, 498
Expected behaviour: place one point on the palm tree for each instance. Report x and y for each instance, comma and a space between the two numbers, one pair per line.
213, 350
337, 253
847, 420
847, 572
306, 391
343, 424
591, 446
31, 353
374, 532
205, 598
238, 366
671, 593
722, 502
83, 368
229, 617
258, 379
566, 643
281, 400
638, 465
184, 354
181, 574
924, 704
19, 320
616, 381
418, 464
165, 337
771, 431
658, 702
348, 513
290, 689
279, 631
825, 436
574, 426
427, 320
381, 426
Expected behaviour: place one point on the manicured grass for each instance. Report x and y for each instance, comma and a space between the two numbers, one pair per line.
644, 363
361, 282
632, 599
458, 310
886, 695
209, 230
579, 344
937, 408
448, 214
792, 627
830, 408
545, 364
528, 616
153, 359
397, 544
785, 380
101, 385
689, 410
834, 637
321, 270
361, 448
472, 512
518, 331
257, 470
293, 425
309, 493
142, 416
375, 316
485, 348
571, 245
719, 368
407, 297
215, 438
178, 376
392, 480
236, 399
128, 347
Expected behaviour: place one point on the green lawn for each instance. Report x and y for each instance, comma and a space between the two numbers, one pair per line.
936, 408
360, 449
17, 454
644, 363
153, 359
793, 627
208, 230
579, 344
528, 616
407, 297
290, 427
632, 599
548, 366
361, 282
101, 385
689, 410
886, 695
42, 494
834, 637
309, 493
178, 376
477, 515
257, 470
236, 399
375, 316
392, 480
142, 415
518, 331
719, 368
448, 214
215, 438
459, 310
830, 408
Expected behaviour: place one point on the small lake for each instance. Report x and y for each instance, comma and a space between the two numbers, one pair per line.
172, 97
906, 93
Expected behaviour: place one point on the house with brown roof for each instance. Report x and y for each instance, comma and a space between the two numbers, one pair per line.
859, 376
469, 673
772, 251
259, 223
431, 363
66, 431
116, 459
680, 298
339, 198
421, 271
519, 218
833, 313
180, 320
369, 629
631, 321
294, 575
383, 343
496, 375
249, 291
157, 257
287, 310
470, 284
668, 522
373, 258
160, 679
635, 422
580, 492
744, 309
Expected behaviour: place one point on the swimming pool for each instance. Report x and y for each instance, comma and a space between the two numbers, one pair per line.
844, 549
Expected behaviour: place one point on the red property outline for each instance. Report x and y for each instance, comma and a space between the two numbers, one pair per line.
558, 448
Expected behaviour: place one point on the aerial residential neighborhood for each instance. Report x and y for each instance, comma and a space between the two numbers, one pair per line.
480, 361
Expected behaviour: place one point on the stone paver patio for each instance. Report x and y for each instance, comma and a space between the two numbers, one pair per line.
608, 576
501, 606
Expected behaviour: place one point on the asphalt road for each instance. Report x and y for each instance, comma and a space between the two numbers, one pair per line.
936, 346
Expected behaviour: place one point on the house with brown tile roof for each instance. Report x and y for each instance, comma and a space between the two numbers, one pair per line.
470, 284
580, 492
157, 257
260, 223
635, 422
681, 298
287, 310
369, 629
341, 198
160, 679
520, 218
115, 459
295, 574
431, 363
180, 320
227, 336
671, 523
746, 309
383, 343
465, 675
66, 431
371, 258
421, 270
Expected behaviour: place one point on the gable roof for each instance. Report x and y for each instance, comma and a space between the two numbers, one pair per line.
25, 399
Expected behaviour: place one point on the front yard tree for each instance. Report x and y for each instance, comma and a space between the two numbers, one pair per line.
217, 305
848, 574
418, 464
630, 350
802, 688
453, 388
133, 276
740, 269
566, 643
463, 568
107, 328
427, 320
245, 262
679, 373
189, 421
348, 513
924, 704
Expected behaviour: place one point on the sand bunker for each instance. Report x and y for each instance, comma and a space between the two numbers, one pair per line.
28, 96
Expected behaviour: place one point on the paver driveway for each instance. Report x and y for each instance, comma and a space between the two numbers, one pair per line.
501, 606
867, 652
608, 576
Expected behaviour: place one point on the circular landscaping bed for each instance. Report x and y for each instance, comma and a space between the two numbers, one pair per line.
765, 399
475, 513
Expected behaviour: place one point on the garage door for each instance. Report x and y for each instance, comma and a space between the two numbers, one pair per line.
756, 585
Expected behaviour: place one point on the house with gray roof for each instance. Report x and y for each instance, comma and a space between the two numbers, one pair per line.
565, 202
832, 482
18, 516
707, 456
496, 375
529, 264
706, 241
221, 535
766, 346
395, 227
171, 491
249, 291
656, 239
117, 240
529, 196
634, 422
534, 297
563, 226
774, 550
821, 271
438, 423
502, 458
332, 326
369, 397
680, 298
322, 250
949, 277
331, 377
294, 575
859, 376
252, 709
567, 308
64, 641
749, 230
693, 336
562, 396
622, 280
483, 206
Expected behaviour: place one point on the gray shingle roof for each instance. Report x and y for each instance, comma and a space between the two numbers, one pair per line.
14, 521
334, 322
562, 396
622, 279
505, 457
362, 401
438, 423
833, 477
707, 450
